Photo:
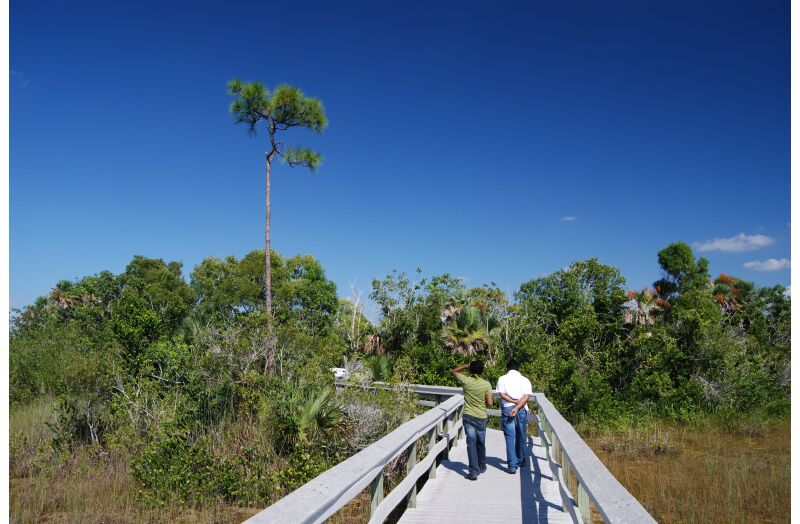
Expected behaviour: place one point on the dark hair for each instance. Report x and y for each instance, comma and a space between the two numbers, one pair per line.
513, 364
476, 367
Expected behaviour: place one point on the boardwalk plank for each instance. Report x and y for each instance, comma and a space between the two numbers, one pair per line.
530, 496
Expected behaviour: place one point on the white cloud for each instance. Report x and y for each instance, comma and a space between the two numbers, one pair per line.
736, 244
569, 218
772, 264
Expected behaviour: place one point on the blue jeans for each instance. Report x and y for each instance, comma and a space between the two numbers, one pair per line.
515, 430
475, 428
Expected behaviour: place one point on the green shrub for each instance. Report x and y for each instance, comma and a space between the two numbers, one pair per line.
303, 464
183, 471
433, 363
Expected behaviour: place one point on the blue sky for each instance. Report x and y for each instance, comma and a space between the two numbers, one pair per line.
463, 136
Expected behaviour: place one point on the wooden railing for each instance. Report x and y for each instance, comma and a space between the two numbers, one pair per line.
569, 457
324, 495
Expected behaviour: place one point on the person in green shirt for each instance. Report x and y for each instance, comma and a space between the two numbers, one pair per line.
477, 397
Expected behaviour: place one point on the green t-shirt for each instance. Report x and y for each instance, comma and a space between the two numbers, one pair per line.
475, 391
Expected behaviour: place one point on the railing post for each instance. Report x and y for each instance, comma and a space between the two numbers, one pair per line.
461, 417
546, 430
376, 489
453, 418
556, 449
410, 463
540, 426
445, 432
583, 504
431, 444
566, 471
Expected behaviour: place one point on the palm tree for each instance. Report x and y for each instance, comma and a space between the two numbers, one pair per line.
380, 367
62, 295
466, 329
731, 293
644, 306
734, 296
305, 413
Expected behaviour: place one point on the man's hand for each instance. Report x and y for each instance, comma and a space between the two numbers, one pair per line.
513, 412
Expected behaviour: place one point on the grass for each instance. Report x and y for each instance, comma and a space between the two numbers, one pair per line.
88, 485
95, 492
705, 473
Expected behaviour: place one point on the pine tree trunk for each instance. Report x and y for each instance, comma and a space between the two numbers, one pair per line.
269, 362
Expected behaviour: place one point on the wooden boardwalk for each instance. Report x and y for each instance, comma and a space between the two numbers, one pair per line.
530, 496
536, 493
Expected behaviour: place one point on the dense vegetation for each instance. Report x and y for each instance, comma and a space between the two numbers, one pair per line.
174, 377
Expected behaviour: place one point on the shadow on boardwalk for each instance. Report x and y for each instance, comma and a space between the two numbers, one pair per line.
529, 496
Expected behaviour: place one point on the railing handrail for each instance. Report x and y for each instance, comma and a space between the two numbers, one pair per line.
325, 494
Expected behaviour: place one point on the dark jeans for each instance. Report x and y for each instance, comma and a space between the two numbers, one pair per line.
475, 428
515, 430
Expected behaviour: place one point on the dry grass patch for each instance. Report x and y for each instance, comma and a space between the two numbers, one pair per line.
87, 485
99, 489
703, 474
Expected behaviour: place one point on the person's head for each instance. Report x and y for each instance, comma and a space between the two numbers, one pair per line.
513, 365
476, 367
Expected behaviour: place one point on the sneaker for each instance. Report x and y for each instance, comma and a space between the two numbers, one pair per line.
472, 477
483, 469
512, 470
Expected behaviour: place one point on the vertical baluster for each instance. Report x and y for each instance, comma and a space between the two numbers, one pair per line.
542, 423
446, 434
460, 417
566, 469
583, 504
453, 419
545, 436
412, 461
556, 450
376, 489
431, 444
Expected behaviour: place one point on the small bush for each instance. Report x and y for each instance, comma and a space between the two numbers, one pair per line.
178, 470
303, 465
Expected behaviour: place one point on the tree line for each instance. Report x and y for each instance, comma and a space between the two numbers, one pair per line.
189, 376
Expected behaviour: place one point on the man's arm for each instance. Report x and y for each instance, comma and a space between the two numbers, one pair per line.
520, 404
505, 397
459, 369
489, 400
